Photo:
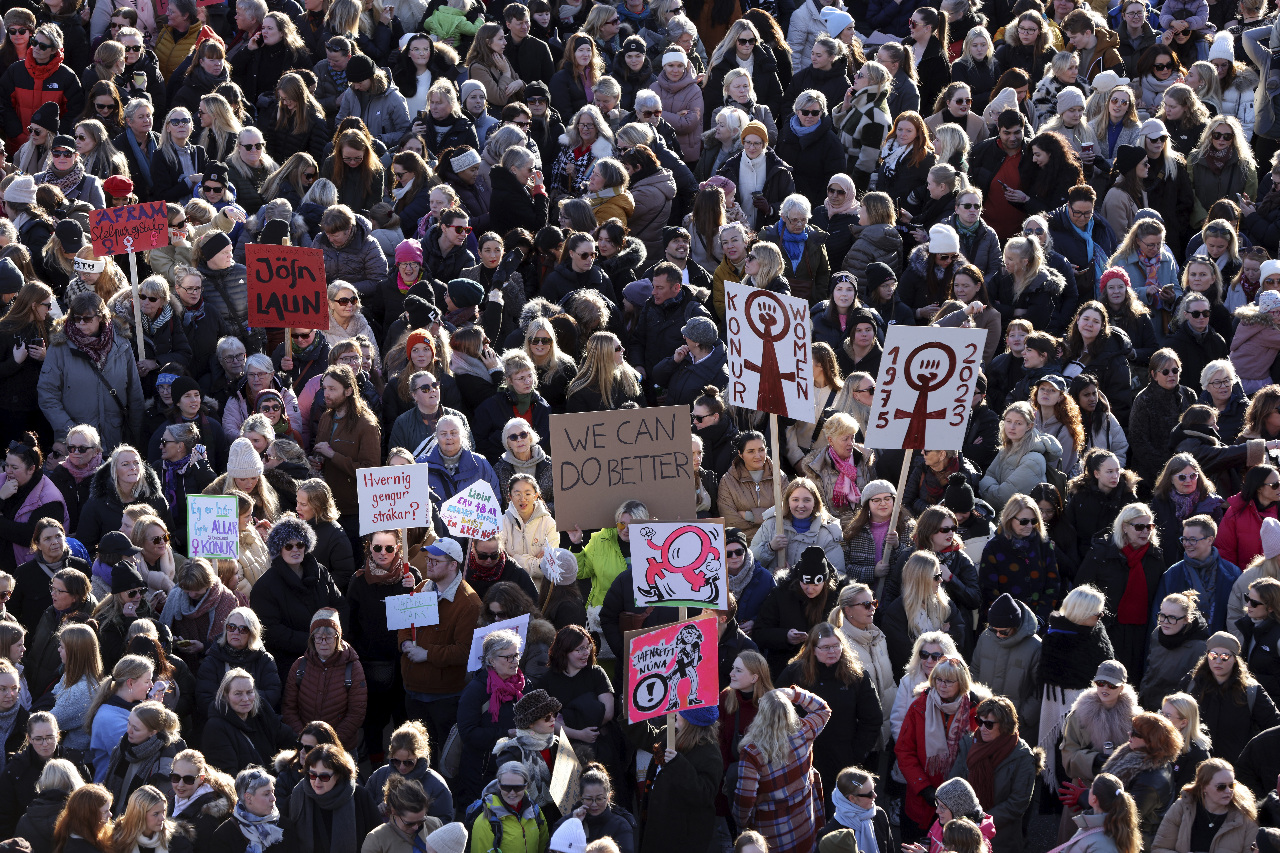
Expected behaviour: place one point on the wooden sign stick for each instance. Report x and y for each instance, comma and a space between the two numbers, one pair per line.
137, 301
777, 485
671, 718
897, 507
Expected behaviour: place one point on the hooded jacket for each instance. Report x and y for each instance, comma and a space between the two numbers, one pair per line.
1039, 299
360, 261
1010, 665
871, 243
320, 692
1171, 656
1005, 478
824, 533
682, 108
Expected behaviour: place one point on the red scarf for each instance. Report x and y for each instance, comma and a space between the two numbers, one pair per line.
1134, 605
486, 572
984, 758
503, 690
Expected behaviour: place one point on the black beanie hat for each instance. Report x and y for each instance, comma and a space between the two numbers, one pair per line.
181, 386
733, 534
813, 563
421, 312
1004, 613
218, 172
465, 292
10, 277
46, 117
274, 232
632, 44
360, 68
958, 496
878, 273
214, 243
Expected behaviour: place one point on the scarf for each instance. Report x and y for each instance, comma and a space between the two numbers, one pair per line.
1150, 267
141, 158
846, 491
800, 130
66, 182
340, 801
139, 759
460, 317
468, 365
181, 606
403, 285
1133, 607
739, 582
376, 577
174, 470
793, 245
96, 347
193, 315
7, 719
850, 199
180, 805
81, 473
260, 832
532, 745
398, 193
984, 758
1218, 160
476, 570
1184, 506
156, 843
1094, 251
861, 820
891, 155
941, 740
503, 690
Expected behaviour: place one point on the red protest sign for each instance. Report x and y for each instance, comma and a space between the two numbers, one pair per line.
132, 228
673, 668
286, 287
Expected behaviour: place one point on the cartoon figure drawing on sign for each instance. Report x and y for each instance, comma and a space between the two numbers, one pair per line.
925, 376
688, 657
764, 311
688, 554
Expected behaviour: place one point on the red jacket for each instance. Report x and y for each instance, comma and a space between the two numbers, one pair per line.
912, 754
1240, 533
26, 86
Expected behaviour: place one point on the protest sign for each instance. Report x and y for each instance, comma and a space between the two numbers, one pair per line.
287, 287
679, 563
415, 610
393, 497
924, 392
213, 528
473, 513
673, 668
770, 365
519, 624
131, 228
605, 458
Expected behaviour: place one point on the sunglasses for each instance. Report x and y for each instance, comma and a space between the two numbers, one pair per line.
934, 656
293, 546
211, 189
485, 557
1199, 315
412, 825
133, 48
948, 256
379, 549
79, 448
1222, 786
408, 762
937, 577
1170, 371
461, 229
1163, 66
347, 300
427, 387
870, 604
133, 593
310, 176
810, 113
746, 42
648, 113
540, 342
179, 121
150, 298
271, 407
1252, 602
835, 191
18, 31
162, 538
1142, 528
587, 256
1220, 136
63, 152
323, 777
988, 724
512, 789
1106, 685
535, 99
970, 205
232, 628
1025, 521
519, 436
297, 336
253, 146
175, 778
951, 529
1027, 232
36, 44
1183, 478
102, 105
1220, 656
962, 100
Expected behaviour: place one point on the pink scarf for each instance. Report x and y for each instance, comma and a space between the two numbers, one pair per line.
80, 474
841, 203
846, 492
503, 690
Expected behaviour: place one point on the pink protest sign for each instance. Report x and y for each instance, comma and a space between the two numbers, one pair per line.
673, 668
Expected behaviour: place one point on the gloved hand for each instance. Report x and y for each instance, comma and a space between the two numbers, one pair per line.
415, 652
1071, 792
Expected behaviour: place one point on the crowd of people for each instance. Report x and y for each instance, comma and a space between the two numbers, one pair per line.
532, 210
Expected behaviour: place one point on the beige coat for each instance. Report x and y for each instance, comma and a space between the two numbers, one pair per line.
739, 494
385, 839
495, 82
522, 540
1088, 716
817, 464
1174, 834
873, 651
974, 126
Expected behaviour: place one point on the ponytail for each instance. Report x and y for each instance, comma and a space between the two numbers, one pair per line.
1121, 821
129, 667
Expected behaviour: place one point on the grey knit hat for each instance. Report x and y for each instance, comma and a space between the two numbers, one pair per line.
878, 487
958, 796
288, 529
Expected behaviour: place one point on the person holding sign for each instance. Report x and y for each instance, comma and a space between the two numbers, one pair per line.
348, 439
805, 523
681, 798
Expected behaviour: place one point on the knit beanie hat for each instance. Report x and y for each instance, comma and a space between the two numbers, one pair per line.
841, 841
813, 566
21, 191
46, 116
421, 312
465, 292
360, 68
878, 273
835, 21
418, 336
219, 172
958, 796
10, 277
326, 617
638, 292
535, 705
268, 394
182, 386
733, 534
216, 242
1268, 839
242, 460
758, 129
943, 239
125, 577
1270, 538
1223, 47
633, 44
275, 232
569, 837
559, 566
1223, 640
409, 251
704, 716
1113, 272
450, 838
1068, 98
1004, 613
878, 487
469, 86
958, 496
1128, 157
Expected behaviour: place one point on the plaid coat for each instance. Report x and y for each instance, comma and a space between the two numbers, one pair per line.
785, 804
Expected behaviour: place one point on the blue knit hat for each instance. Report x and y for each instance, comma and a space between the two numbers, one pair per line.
703, 716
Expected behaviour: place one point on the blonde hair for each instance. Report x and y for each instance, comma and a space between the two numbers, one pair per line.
770, 732
926, 603
941, 639
1128, 514
772, 266
1083, 603
1015, 505
1189, 709
756, 664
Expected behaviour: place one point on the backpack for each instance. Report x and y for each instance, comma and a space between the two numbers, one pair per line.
495, 823
302, 671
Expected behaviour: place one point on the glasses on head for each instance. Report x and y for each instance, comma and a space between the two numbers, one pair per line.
347, 300
325, 776
1221, 136
1106, 685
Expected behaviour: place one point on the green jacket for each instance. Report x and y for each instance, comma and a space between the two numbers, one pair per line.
526, 832
601, 561
448, 23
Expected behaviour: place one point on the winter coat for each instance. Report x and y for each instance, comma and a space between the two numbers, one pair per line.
1025, 568
113, 403
26, 86
1089, 512
681, 801
360, 262
1105, 567
1183, 576
285, 603
1261, 650
283, 142
825, 534
1240, 531
1005, 478
685, 380
1154, 414
1072, 247
682, 109
779, 182
219, 659
1089, 726
1010, 665
803, 30
1071, 653
1039, 299
833, 82
1232, 720
232, 744
1236, 177
1174, 833
104, 509
1169, 659
316, 690
1150, 783
766, 79
740, 497
900, 634
982, 248
856, 718
911, 749
811, 279
814, 157
1011, 790
783, 610
864, 127
872, 243
563, 280
1254, 347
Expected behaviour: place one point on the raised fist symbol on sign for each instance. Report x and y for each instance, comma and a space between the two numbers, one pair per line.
926, 370
764, 311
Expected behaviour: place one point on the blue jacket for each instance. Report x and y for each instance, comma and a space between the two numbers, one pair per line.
471, 467
109, 724
1181, 575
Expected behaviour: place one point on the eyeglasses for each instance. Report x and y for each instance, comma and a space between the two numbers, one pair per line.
323, 777
1220, 383
44, 739
253, 146
969, 205
1252, 602
487, 556
175, 778
1167, 618
810, 113
1220, 136
1106, 685
233, 628
746, 42
347, 300
18, 31
179, 121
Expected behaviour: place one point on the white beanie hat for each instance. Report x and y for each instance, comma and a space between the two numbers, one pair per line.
835, 20
569, 837
1271, 267
22, 190
675, 54
943, 239
1068, 98
1153, 128
242, 460
450, 838
1223, 47
1108, 80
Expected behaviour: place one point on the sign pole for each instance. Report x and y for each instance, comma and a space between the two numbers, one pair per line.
671, 718
137, 302
777, 484
288, 344
897, 506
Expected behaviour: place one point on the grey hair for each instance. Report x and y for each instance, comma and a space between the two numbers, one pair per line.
608, 87
135, 104
495, 642
795, 203
680, 25
254, 624
457, 422
257, 423
637, 510
250, 779
517, 423
516, 157
52, 32
323, 192
1213, 368
262, 361
338, 285
514, 767
637, 133
808, 96
186, 434
89, 431
59, 774
648, 99
228, 345
224, 687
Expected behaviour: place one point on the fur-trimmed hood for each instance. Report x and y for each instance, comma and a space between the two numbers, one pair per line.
540, 631
100, 487
1049, 281
1252, 315
600, 148
1126, 763
290, 528
538, 306
631, 255
1106, 725
919, 259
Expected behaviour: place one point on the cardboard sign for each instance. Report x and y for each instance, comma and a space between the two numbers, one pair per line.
213, 527
287, 288
679, 563
393, 497
673, 668
519, 624
473, 513
924, 393
132, 228
605, 458
415, 610
770, 365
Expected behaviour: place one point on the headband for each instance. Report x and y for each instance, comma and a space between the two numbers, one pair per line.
216, 242
86, 265
675, 56
465, 160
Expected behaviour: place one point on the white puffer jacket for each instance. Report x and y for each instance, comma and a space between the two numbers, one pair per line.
523, 540
803, 30
1237, 99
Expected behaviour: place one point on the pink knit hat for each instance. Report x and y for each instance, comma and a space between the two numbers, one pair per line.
1113, 272
409, 251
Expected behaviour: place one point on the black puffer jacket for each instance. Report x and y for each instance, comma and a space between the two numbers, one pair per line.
1071, 653
205, 814
283, 143
439, 266
18, 783
1169, 658
1154, 414
563, 280
1111, 366
1148, 781
232, 744
286, 602
104, 509
814, 157
1039, 299
220, 658
1089, 512
36, 824
1263, 645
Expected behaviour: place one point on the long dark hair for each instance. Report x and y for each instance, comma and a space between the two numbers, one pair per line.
1254, 480
404, 73
1062, 161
